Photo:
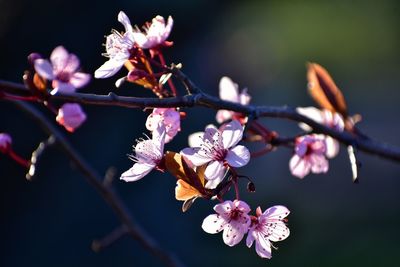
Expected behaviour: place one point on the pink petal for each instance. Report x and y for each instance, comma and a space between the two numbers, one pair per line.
212, 184
232, 133
299, 167
79, 79
72, 64
244, 97
213, 137
140, 39
71, 116
44, 68
123, 18
238, 156
332, 147
109, 68
242, 206
224, 208
195, 139
195, 157
250, 238
223, 115
277, 212
148, 151
5, 141
312, 113
319, 164
215, 170
137, 172
59, 58
62, 87
234, 233
159, 137
167, 29
263, 246
228, 90
213, 224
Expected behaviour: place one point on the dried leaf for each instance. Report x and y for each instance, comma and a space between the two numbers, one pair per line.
173, 163
184, 191
324, 90
187, 204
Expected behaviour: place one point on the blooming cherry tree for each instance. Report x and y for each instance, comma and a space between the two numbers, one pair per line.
208, 168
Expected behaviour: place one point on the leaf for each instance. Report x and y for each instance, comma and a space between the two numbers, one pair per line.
173, 163
187, 204
184, 191
324, 90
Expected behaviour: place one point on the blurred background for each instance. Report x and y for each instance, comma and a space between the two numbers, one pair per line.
262, 45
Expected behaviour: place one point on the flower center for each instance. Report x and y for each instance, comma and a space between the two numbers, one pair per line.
63, 76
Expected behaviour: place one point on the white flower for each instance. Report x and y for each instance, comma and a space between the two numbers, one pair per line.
216, 148
327, 118
268, 227
229, 91
118, 48
156, 34
232, 218
148, 155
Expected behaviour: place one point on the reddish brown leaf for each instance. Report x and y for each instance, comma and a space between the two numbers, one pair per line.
324, 90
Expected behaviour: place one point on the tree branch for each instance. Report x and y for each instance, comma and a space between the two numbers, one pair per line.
106, 192
361, 143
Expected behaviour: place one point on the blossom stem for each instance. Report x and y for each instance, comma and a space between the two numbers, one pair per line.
19, 98
170, 82
21, 161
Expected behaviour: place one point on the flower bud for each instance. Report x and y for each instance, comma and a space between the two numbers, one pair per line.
71, 116
5, 142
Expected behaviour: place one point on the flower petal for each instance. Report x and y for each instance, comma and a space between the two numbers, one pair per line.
319, 164
59, 58
137, 172
79, 79
44, 68
228, 90
263, 246
167, 29
232, 133
193, 155
244, 97
224, 208
234, 233
213, 224
238, 156
62, 87
332, 147
223, 115
215, 170
109, 68
123, 18
195, 139
299, 167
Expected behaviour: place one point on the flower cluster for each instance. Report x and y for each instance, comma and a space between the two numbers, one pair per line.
234, 220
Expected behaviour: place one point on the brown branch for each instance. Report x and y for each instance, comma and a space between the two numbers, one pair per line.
106, 192
201, 99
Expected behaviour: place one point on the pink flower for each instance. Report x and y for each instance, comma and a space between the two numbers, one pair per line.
216, 148
156, 34
229, 91
5, 142
62, 69
71, 116
268, 227
327, 118
169, 117
309, 156
148, 155
232, 218
118, 49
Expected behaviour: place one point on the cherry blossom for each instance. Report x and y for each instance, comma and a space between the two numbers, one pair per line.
169, 117
268, 226
62, 69
232, 218
229, 91
327, 118
218, 148
156, 34
5, 142
309, 156
148, 155
118, 49
71, 116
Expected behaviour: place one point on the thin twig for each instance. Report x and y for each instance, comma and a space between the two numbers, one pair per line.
37, 154
111, 238
106, 192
